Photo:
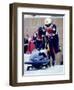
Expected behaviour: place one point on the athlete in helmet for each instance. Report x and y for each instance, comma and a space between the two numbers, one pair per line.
53, 39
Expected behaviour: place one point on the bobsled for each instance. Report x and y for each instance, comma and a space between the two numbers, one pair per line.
38, 60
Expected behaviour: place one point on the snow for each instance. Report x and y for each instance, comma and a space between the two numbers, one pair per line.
53, 70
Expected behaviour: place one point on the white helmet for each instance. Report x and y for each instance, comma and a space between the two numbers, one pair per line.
48, 21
